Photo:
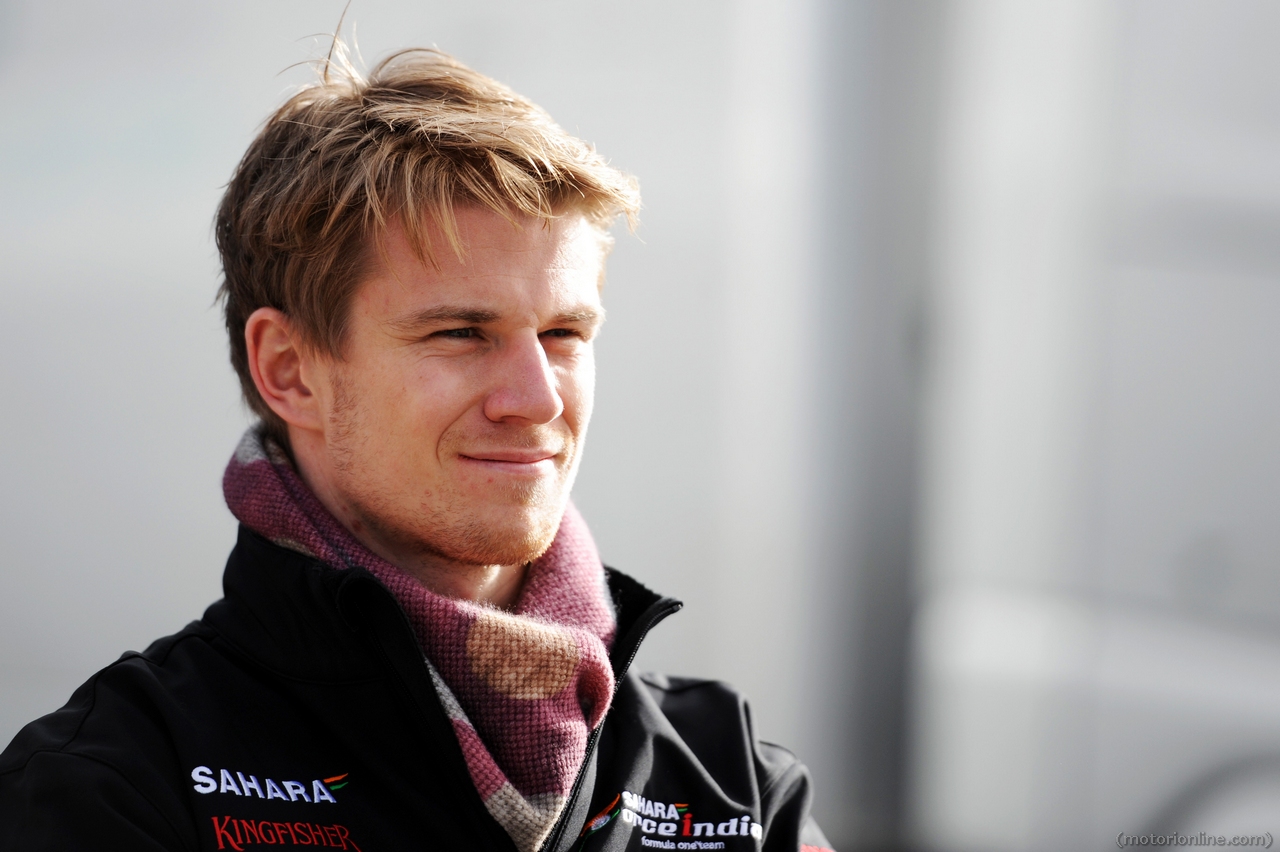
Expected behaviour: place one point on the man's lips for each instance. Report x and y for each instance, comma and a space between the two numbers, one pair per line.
511, 457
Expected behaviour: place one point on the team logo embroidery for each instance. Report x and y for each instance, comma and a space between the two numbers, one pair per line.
238, 834
321, 790
670, 825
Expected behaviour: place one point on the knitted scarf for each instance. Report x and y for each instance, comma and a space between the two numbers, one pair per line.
523, 689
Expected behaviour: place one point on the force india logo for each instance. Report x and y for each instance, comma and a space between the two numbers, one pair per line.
659, 821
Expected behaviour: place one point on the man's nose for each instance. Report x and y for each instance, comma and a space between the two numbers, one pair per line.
524, 385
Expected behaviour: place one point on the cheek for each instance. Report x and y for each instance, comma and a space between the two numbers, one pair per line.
402, 405
430, 397
578, 393
383, 399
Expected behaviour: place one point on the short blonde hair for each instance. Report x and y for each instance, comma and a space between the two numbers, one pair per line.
349, 154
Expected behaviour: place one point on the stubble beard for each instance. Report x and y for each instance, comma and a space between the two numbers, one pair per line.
513, 530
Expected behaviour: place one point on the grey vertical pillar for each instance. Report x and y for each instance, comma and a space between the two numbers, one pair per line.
1002, 648
877, 90
829, 164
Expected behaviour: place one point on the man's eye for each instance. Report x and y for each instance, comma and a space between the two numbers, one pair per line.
456, 333
561, 332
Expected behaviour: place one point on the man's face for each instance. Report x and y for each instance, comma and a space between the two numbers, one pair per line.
455, 419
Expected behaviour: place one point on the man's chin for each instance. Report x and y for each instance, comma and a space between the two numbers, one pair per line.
500, 541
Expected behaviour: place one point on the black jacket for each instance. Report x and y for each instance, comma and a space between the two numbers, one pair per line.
299, 711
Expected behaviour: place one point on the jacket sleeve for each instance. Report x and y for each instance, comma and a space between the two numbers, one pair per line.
59, 801
786, 796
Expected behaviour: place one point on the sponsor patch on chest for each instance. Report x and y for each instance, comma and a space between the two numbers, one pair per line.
317, 791
237, 834
673, 825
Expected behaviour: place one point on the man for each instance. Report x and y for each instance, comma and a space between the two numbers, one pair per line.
418, 646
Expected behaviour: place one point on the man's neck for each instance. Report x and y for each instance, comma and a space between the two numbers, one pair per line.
496, 585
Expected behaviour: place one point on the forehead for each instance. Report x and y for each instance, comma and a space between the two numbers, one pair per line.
528, 259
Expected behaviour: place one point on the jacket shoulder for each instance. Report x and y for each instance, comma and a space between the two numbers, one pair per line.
116, 702
109, 808
111, 743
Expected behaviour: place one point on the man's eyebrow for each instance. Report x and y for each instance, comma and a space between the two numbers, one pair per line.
585, 314
446, 313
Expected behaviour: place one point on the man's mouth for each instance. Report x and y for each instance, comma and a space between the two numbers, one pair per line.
521, 456
533, 463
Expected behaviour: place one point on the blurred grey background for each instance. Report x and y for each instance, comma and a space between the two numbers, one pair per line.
940, 381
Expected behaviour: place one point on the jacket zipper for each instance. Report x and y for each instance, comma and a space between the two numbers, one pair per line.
649, 619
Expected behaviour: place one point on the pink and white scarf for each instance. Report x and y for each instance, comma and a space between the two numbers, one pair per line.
523, 689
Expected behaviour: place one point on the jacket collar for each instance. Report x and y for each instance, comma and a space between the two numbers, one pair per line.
298, 617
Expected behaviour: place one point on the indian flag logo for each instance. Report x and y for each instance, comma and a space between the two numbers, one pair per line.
601, 819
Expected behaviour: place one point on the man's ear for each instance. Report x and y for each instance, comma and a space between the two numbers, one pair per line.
282, 368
